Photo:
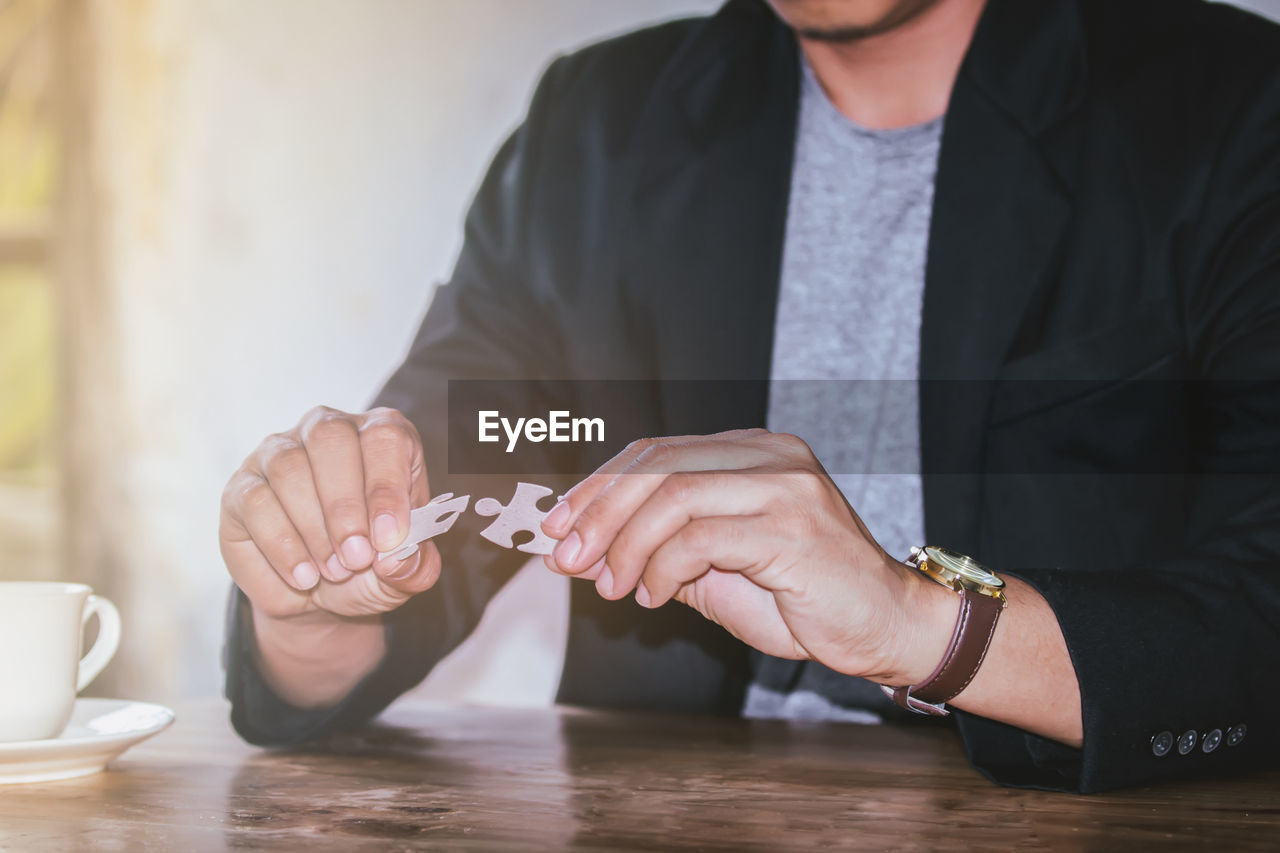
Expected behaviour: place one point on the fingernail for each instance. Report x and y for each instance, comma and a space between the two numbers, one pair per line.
406, 569
337, 571
386, 531
642, 596
392, 566
567, 551
558, 516
604, 583
305, 575
357, 552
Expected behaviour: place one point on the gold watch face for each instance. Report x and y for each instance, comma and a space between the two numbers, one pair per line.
952, 564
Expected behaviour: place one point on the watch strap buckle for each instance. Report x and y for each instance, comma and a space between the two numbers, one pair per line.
902, 696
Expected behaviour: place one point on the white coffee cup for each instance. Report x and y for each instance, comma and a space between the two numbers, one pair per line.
41, 670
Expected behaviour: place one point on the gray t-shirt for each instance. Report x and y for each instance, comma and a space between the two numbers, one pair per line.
847, 349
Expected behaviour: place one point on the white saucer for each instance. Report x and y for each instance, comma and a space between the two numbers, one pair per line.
100, 729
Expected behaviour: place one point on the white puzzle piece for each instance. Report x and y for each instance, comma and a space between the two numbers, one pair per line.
430, 520
521, 514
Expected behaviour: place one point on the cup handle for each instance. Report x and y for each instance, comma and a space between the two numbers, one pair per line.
104, 648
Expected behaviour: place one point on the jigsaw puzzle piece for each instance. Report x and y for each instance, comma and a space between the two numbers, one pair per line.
521, 513
429, 520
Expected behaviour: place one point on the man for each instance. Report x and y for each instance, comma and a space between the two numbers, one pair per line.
1060, 217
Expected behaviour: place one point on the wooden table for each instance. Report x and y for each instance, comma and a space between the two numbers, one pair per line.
466, 778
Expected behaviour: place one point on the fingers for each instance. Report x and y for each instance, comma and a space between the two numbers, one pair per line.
284, 464
582, 494
599, 505
591, 574
680, 499
728, 543
369, 593
332, 442
596, 523
652, 498
393, 467
266, 524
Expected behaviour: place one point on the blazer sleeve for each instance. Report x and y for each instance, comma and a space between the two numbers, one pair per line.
487, 322
1188, 645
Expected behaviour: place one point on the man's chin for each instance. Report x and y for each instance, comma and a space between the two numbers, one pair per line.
837, 35
822, 21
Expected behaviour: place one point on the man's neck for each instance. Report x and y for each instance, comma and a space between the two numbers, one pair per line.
901, 77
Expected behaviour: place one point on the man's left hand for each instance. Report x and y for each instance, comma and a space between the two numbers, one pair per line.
747, 528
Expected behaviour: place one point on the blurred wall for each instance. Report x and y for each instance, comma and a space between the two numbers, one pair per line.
276, 186
261, 196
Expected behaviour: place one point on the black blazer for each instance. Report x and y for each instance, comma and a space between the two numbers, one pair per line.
1101, 336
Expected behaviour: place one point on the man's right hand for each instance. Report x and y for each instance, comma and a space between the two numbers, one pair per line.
305, 515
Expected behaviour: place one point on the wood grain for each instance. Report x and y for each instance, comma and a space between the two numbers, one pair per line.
455, 778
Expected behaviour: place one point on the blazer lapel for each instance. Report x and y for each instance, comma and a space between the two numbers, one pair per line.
707, 214
1000, 211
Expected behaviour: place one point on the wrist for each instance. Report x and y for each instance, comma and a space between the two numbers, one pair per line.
314, 660
926, 620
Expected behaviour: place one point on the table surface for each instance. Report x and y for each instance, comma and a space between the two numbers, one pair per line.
447, 777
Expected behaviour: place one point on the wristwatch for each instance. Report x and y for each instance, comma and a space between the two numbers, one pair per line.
982, 598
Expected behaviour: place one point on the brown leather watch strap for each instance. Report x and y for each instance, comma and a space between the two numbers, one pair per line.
969, 643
